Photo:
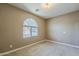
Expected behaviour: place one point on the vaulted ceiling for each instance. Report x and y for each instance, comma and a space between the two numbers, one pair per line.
56, 9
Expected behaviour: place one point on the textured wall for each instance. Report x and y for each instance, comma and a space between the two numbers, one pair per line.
64, 28
11, 20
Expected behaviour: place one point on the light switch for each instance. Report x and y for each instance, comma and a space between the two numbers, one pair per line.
64, 32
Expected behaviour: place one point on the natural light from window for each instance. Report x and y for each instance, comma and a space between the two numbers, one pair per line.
30, 28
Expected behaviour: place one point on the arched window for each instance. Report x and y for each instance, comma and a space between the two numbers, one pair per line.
30, 28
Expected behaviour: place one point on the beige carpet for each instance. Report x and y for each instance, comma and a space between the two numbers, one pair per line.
47, 49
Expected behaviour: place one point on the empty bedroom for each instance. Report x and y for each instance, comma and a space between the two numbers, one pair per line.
39, 29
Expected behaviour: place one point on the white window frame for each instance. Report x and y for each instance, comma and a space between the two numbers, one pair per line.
30, 31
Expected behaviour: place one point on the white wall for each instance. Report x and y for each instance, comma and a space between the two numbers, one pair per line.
64, 28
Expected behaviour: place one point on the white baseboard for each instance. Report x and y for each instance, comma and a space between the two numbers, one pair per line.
4, 53
75, 46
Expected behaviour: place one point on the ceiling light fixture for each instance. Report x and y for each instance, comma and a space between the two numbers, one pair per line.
46, 5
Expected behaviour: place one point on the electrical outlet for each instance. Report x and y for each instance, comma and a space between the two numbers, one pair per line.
11, 46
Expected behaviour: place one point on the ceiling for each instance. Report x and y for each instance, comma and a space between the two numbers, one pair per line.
56, 9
